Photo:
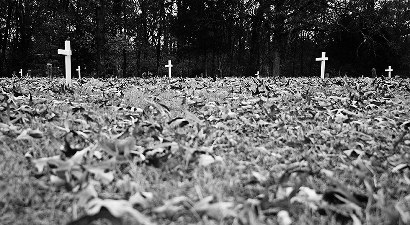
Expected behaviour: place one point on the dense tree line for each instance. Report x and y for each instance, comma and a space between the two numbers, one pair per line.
206, 37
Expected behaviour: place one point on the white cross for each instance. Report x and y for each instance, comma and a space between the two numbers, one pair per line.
257, 74
169, 68
21, 72
389, 70
79, 72
323, 59
67, 52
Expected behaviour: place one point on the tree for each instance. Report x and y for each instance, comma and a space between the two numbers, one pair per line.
212, 37
276, 23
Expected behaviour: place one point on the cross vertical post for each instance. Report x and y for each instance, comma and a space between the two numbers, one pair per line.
79, 72
67, 52
169, 66
389, 70
323, 66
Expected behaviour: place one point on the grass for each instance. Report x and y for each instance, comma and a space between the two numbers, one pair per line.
326, 152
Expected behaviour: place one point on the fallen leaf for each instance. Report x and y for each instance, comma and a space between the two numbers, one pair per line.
29, 134
118, 208
356, 221
218, 210
86, 194
172, 206
284, 218
56, 181
178, 122
43, 162
400, 167
308, 197
205, 160
142, 199
260, 177
102, 214
403, 207
101, 174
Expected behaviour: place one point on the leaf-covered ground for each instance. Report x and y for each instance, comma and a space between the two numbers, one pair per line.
197, 151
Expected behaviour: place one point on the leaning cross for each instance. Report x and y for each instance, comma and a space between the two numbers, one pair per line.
67, 52
323, 59
79, 72
257, 74
169, 66
389, 70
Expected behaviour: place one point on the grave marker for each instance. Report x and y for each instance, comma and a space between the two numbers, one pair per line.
21, 72
389, 70
49, 70
169, 68
323, 66
79, 72
67, 52
257, 74
374, 73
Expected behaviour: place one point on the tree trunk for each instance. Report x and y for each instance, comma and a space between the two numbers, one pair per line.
158, 55
254, 52
213, 73
124, 66
159, 35
302, 58
25, 31
205, 63
294, 60
143, 36
231, 57
256, 36
138, 55
100, 38
3, 65
276, 64
124, 51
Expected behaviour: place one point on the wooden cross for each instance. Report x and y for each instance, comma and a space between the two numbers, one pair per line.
389, 70
67, 52
169, 66
21, 72
257, 74
79, 72
323, 60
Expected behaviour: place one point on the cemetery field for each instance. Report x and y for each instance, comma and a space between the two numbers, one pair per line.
197, 151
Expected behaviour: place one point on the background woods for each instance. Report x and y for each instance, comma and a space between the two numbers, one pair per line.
208, 37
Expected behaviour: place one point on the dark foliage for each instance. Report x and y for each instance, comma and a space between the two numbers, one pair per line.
204, 37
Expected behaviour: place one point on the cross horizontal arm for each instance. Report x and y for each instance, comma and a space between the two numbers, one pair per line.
64, 52
322, 59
